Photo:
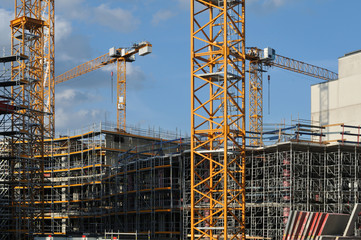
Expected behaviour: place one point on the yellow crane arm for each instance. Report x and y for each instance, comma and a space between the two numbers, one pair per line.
125, 54
303, 68
85, 68
119, 56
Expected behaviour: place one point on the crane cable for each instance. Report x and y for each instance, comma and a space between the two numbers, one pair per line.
111, 83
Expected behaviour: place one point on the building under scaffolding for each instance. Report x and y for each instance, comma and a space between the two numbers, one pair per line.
105, 181
300, 176
294, 173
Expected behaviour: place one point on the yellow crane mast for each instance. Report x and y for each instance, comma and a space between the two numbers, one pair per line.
32, 43
255, 97
120, 56
260, 58
218, 119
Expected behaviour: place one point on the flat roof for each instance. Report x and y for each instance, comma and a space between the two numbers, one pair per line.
351, 53
320, 83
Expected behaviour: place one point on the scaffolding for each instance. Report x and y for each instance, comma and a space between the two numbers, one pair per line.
137, 183
298, 171
299, 176
103, 180
21, 136
75, 167
144, 197
6, 110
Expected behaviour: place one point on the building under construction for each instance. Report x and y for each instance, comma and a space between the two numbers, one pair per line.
137, 183
125, 183
103, 180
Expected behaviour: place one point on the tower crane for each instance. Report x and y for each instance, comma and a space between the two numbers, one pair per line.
120, 56
28, 90
218, 58
258, 59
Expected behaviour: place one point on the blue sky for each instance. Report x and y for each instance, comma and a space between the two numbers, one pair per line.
158, 94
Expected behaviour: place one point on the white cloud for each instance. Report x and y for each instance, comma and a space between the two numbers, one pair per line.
275, 3
136, 78
72, 9
110, 68
161, 16
70, 112
115, 18
65, 119
63, 29
5, 36
269, 3
72, 97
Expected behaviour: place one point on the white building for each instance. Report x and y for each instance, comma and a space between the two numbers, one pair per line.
338, 103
